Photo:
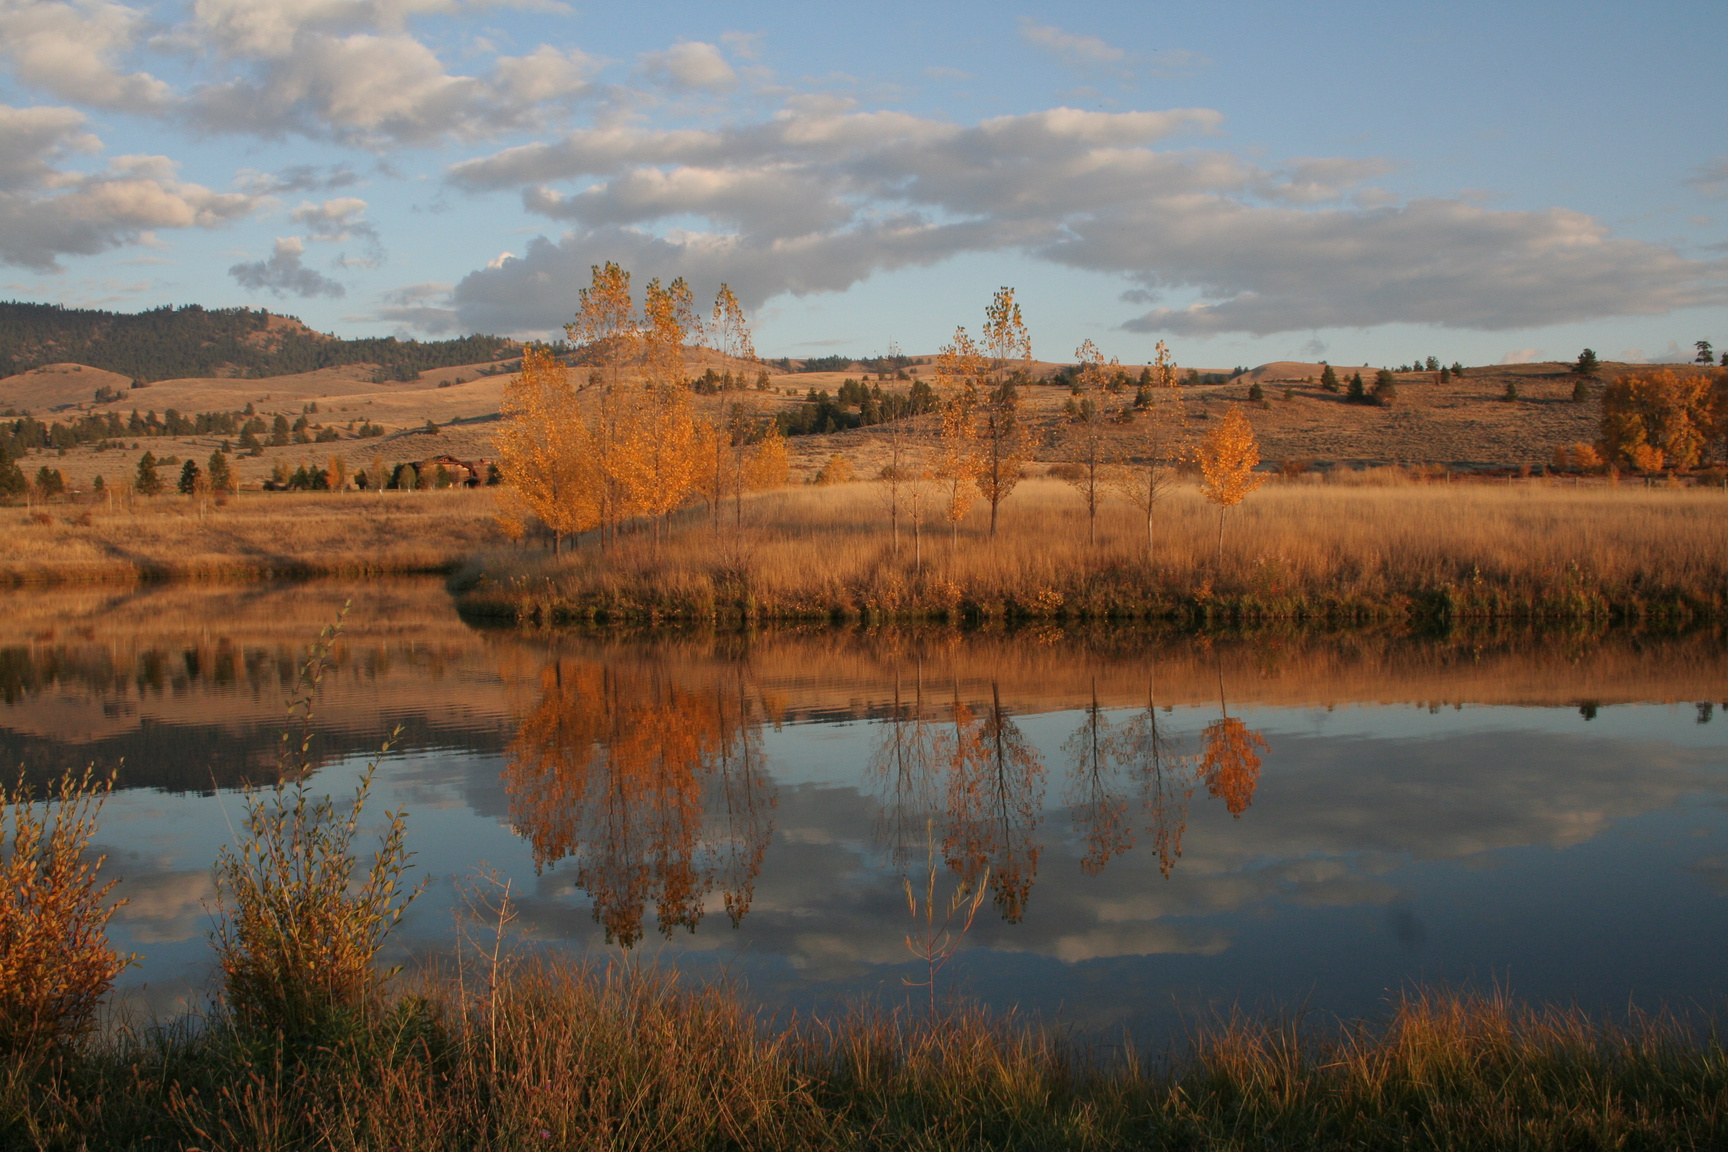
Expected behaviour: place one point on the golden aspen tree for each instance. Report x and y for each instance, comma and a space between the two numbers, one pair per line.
1085, 436
1000, 447
728, 333
1148, 447
768, 465
1666, 413
544, 448
958, 368
607, 330
1227, 458
664, 449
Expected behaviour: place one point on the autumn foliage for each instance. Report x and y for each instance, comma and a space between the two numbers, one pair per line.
1664, 419
625, 443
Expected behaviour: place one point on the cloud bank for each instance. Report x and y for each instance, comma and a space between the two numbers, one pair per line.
817, 199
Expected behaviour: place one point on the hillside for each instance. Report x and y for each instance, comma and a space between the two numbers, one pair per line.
167, 342
1465, 424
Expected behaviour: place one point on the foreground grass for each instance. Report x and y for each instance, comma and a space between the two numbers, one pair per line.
566, 1058
252, 536
1323, 551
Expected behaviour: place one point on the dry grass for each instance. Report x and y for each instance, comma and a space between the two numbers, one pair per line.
250, 537
1313, 550
566, 1057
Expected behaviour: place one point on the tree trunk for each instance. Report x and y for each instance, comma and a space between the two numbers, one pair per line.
1220, 563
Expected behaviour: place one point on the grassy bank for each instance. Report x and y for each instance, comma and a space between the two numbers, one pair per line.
566, 1058
1329, 551
253, 536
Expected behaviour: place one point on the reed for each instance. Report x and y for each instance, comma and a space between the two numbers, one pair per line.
1382, 548
558, 1055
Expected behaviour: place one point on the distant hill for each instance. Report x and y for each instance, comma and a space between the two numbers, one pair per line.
170, 343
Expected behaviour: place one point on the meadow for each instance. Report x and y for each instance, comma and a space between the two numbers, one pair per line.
250, 536
1383, 544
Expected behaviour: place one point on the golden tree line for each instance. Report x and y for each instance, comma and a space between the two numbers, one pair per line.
1131, 450
1657, 420
626, 442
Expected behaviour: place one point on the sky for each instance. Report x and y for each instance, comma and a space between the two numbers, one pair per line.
1364, 183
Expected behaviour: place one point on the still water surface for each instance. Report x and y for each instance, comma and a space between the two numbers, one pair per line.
1168, 826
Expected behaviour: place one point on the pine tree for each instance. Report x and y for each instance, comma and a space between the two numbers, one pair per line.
1385, 387
1358, 394
189, 477
221, 476
147, 482
1329, 379
1587, 364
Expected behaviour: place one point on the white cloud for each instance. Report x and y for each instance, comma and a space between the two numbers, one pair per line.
1712, 179
69, 50
1073, 50
816, 198
284, 273
334, 220
47, 211
1522, 356
690, 65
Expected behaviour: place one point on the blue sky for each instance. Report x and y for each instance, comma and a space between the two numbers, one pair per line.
1361, 182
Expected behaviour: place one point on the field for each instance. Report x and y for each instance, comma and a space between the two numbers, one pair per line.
1464, 424
247, 537
1381, 546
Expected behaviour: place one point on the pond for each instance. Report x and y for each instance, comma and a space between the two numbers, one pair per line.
1163, 826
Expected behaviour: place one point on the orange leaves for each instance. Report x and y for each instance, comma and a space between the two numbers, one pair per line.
55, 961
1229, 765
658, 791
1663, 416
1227, 458
545, 449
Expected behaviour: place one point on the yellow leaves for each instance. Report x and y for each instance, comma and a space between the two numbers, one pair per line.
838, 470
55, 961
768, 466
1231, 765
544, 449
728, 332
1672, 414
658, 790
1227, 458
1006, 338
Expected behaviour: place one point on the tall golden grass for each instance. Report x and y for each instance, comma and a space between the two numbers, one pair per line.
562, 1056
1308, 550
251, 536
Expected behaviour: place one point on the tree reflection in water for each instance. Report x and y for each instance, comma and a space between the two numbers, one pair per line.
979, 770
1230, 766
657, 790
982, 782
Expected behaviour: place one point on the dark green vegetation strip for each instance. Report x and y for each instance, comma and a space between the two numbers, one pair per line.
167, 343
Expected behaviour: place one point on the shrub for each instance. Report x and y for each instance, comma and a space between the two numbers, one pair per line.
55, 961
838, 470
298, 938
1256, 392
1511, 392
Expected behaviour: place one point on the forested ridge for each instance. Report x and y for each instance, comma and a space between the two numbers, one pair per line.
168, 342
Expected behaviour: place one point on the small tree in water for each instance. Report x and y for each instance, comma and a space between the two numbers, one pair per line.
1227, 458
